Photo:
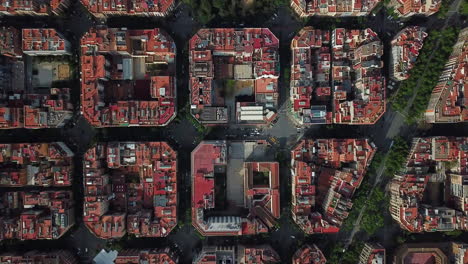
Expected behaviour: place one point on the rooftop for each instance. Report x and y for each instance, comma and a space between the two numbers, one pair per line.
127, 77
237, 254
33, 7
372, 253
407, 8
420, 254
326, 173
29, 98
416, 202
336, 77
235, 188
36, 215
35, 164
234, 75
132, 7
59, 256
309, 254
153, 256
130, 187
405, 50
449, 102
305, 8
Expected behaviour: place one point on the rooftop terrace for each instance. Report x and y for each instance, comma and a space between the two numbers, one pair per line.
35, 164
234, 76
336, 77
326, 173
32, 63
133, 7
130, 187
235, 190
127, 77
430, 193
306, 8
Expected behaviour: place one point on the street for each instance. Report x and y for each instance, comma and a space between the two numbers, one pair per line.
183, 136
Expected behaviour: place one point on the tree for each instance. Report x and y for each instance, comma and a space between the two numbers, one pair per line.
205, 11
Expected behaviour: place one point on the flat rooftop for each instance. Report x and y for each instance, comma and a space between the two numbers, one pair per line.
435, 165
128, 77
326, 173
234, 76
135, 7
336, 77
130, 187
235, 188
36, 164
33, 62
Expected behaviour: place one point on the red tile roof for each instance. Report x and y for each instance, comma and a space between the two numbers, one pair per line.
408, 8
42, 215
249, 56
309, 254
144, 202
39, 164
42, 39
212, 158
133, 7
449, 103
405, 50
140, 97
23, 108
355, 72
408, 189
322, 182
33, 7
333, 8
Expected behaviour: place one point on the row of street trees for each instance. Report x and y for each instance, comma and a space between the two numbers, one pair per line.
206, 10
425, 74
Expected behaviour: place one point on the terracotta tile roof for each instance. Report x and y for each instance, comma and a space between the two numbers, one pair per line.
54, 160
145, 201
307, 8
449, 103
132, 7
259, 189
407, 190
42, 215
22, 108
140, 96
322, 182
309, 254
33, 7
246, 58
320, 82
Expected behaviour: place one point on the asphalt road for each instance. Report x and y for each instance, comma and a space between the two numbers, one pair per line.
183, 136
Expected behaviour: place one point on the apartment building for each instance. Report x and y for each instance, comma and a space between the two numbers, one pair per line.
336, 77
340, 8
128, 77
405, 50
449, 103
325, 175
433, 163
234, 76
130, 187
235, 188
